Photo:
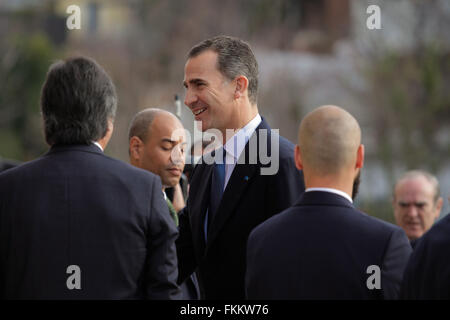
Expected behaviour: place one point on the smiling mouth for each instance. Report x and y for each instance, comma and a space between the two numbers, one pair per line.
175, 171
199, 111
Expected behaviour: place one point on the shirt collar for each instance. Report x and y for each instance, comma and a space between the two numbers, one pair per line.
98, 145
237, 142
338, 192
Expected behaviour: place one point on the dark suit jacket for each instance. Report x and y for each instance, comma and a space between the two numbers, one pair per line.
76, 206
427, 275
7, 164
249, 199
320, 249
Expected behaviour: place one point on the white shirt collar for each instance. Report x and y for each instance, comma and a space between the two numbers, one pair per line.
98, 145
236, 144
338, 192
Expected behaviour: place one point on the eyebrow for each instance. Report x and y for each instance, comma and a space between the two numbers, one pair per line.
418, 203
171, 141
193, 81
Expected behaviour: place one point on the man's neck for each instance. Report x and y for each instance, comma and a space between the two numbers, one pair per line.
329, 182
244, 118
102, 143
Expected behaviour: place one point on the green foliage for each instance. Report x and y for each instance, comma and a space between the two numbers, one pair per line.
10, 145
381, 209
22, 74
412, 102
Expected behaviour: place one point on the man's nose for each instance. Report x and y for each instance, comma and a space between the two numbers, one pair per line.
176, 156
412, 211
189, 97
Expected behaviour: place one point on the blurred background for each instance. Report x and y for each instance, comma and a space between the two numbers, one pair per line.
394, 80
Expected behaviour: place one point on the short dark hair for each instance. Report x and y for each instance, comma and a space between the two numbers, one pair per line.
77, 100
235, 57
141, 123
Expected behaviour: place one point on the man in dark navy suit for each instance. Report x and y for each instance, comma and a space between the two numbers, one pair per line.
76, 224
157, 143
252, 175
323, 247
427, 275
7, 164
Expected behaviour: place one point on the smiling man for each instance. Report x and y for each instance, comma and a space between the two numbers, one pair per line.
417, 203
226, 201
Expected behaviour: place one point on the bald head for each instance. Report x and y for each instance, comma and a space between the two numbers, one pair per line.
329, 138
157, 143
141, 124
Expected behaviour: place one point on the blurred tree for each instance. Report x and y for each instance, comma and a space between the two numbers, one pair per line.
411, 106
406, 67
22, 72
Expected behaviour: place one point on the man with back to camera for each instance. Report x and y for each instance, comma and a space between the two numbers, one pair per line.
76, 224
157, 144
323, 247
226, 201
417, 203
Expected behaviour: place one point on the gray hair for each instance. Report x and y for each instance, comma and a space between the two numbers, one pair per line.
421, 173
235, 58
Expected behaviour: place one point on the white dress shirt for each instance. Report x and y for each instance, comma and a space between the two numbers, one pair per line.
98, 145
338, 192
236, 144
233, 148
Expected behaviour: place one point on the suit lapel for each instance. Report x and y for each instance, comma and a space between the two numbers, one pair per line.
199, 197
240, 179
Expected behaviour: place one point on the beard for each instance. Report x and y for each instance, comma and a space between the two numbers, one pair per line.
356, 185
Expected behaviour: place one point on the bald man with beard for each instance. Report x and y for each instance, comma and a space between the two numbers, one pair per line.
323, 247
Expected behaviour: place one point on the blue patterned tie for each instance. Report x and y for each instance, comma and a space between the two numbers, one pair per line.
217, 183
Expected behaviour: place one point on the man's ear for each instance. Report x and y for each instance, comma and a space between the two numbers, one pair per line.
135, 148
110, 127
109, 131
241, 86
360, 156
298, 158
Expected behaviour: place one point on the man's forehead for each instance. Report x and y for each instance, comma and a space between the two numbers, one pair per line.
165, 125
200, 64
415, 185
414, 194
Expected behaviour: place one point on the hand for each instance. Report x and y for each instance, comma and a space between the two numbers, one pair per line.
178, 201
